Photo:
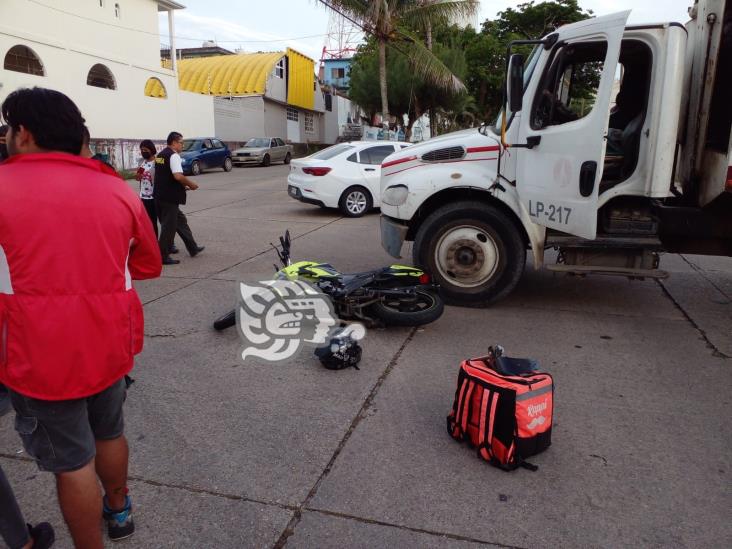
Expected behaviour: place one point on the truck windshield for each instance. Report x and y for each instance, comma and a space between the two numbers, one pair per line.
529, 67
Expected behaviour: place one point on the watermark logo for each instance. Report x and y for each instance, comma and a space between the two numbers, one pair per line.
278, 318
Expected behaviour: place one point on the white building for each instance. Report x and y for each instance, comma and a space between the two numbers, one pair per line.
105, 55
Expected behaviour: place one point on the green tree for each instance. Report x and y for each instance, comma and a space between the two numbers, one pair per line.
531, 20
392, 22
485, 53
409, 94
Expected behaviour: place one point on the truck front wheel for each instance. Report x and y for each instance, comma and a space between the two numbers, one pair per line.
474, 252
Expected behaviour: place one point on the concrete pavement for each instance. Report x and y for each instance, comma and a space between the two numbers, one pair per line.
226, 454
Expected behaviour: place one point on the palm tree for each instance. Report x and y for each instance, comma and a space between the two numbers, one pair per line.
391, 21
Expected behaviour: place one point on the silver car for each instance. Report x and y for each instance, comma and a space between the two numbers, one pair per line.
262, 151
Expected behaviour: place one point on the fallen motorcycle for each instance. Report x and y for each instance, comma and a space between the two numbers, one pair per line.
398, 295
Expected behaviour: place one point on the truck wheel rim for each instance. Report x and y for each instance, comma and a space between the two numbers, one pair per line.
356, 202
466, 256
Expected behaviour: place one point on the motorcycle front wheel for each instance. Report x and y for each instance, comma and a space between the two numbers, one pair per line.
425, 307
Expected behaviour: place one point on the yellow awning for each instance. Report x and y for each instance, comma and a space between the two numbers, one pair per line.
241, 74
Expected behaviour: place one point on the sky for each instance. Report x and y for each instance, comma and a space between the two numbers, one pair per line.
273, 25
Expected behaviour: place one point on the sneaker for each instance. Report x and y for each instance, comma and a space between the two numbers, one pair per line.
119, 523
42, 535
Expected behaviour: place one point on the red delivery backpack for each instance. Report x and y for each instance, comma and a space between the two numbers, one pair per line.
503, 407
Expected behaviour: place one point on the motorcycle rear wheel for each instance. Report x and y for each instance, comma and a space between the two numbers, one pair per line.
427, 307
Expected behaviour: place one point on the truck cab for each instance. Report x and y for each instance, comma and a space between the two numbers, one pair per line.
613, 146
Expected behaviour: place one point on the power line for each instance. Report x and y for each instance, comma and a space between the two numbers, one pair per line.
251, 41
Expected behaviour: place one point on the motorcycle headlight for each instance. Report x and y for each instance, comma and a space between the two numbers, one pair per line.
395, 195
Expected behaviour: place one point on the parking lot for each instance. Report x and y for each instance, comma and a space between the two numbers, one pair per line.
232, 454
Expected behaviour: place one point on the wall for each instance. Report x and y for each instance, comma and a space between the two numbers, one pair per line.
133, 38
330, 129
276, 88
315, 135
195, 114
124, 154
239, 119
335, 120
122, 113
330, 64
275, 120
319, 104
68, 47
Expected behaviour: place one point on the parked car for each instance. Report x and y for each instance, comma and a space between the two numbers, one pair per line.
344, 176
203, 153
263, 151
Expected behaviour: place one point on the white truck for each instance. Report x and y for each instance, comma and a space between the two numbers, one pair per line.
613, 146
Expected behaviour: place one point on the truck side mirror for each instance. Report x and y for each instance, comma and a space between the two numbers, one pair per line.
515, 82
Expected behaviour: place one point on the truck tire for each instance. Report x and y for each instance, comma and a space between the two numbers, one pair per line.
474, 251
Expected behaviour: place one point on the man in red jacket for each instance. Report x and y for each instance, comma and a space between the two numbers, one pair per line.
73, 236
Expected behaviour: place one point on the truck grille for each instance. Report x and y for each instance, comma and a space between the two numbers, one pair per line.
440, 155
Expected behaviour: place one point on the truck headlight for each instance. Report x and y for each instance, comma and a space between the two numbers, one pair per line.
395, 195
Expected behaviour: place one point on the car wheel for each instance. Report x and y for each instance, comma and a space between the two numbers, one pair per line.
475, 252
266, 160
288, 157
195, 168
228, 165
355, 201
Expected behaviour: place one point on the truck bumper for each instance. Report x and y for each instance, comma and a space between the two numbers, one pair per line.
393, 234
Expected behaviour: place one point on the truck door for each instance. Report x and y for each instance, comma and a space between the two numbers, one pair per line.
565, 112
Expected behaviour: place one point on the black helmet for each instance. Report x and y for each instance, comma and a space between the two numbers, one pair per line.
342, 351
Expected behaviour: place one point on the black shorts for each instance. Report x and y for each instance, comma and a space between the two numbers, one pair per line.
60, 435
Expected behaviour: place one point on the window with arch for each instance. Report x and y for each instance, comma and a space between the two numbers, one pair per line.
101, 77
23, 59
155, 88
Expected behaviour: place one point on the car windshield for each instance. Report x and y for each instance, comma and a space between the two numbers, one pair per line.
191, 144
258, 142
330, 152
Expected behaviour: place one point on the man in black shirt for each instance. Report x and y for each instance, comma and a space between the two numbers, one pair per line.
170, 192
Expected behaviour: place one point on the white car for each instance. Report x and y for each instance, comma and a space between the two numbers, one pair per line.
344, 176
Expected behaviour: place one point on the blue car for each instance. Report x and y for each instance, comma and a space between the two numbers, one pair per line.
203, 153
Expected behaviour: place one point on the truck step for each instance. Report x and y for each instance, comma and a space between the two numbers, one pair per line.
568, 241
613, 271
